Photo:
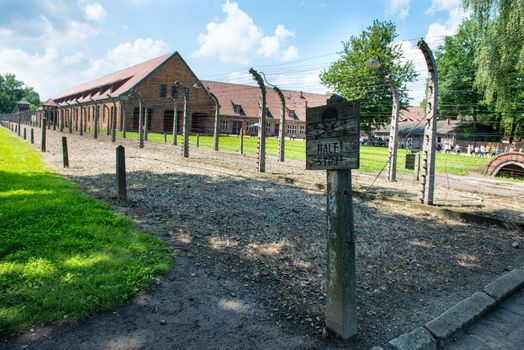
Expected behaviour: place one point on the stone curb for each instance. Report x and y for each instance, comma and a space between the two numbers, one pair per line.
460, 317
439, 331
501, 288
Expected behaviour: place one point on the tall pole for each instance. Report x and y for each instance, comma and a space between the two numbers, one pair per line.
61, 111
427, 174
81, 114
174, 95
281, 130
261, 122
393, 132
113, 120
215, 125
124, 119
140, 121
70, 119
42, 143
146, 122
95, 119
185, 127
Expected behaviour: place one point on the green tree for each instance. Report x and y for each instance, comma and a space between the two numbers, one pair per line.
12, 91
500, 59
456, 72
349, 77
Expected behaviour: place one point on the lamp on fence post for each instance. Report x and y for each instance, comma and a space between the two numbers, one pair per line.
393, 132
199, 85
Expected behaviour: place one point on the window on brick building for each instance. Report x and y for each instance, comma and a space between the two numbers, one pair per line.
163, 90
302, 129
222, 124
237, 109
292, 129
268, 127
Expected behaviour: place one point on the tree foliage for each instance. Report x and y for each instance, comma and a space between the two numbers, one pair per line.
456, 72
12, 91
349, 77
500, 58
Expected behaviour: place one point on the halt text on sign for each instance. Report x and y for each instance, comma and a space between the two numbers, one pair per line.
333, 136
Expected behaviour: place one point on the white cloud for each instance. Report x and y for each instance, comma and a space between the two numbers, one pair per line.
417, 89
270, 45
94, 11
437, 30
237, 38
73, 59
399, 8
124, 55
443, 5
241, 78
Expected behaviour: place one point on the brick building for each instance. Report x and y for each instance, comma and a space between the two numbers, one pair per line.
153, 81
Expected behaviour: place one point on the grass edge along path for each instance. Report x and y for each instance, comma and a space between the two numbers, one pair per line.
372, 159
63, 254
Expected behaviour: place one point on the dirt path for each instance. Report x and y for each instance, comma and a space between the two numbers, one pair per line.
249, 271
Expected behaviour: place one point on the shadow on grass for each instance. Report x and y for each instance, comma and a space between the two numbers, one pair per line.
64, 255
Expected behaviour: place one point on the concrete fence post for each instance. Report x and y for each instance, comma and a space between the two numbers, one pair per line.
242, 141
146, 123
261, 122
198, 140
25, 134
32, 136
185, 126
416, 173
62, 120
65, 155
42, 144
121, 186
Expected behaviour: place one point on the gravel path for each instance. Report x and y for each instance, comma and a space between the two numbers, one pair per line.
250, 254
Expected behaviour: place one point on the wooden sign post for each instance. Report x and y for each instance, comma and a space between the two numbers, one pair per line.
332, 143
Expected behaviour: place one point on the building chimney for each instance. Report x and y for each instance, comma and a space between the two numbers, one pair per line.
301, 94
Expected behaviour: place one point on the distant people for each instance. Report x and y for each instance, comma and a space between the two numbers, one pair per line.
482, 150
470, 150
448, 148
488, 149
457, 149
477, 151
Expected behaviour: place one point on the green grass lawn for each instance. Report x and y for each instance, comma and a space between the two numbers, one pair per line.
63, 255
372, 159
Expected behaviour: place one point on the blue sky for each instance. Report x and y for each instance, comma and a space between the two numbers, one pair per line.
53, 45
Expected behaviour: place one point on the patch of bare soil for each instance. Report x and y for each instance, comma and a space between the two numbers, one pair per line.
249, 272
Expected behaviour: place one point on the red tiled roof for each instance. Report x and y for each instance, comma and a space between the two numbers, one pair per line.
121, 81
50, 103
247, 97
413, 113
